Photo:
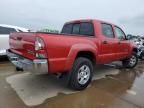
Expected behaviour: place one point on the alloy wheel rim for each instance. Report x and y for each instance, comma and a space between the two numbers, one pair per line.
132, 61
83, 74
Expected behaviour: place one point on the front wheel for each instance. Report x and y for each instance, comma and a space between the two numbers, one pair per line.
131, 62
81, 74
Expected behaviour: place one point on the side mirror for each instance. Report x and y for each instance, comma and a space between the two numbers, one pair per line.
128, 37
122, 38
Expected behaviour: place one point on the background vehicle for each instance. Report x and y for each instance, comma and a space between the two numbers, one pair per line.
139, 42
5, 30
140, 47
141, 52
74, 52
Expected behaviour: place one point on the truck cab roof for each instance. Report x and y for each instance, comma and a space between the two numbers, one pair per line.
88, 20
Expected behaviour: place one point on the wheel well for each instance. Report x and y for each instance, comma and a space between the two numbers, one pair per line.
135, 50
87, 54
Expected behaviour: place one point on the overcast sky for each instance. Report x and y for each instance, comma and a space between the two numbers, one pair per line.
36, 14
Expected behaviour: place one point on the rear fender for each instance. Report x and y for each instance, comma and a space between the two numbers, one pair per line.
75, 49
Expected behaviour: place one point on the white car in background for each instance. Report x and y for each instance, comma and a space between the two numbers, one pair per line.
5, 30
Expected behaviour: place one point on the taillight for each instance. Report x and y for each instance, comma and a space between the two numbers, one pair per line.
40, 48
39, 44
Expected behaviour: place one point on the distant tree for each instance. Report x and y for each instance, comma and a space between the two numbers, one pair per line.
48, 31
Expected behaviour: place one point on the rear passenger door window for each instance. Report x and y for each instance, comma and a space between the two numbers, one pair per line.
107, 30
86, 28
76, 28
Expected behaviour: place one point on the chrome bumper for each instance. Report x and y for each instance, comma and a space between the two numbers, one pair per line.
37, 66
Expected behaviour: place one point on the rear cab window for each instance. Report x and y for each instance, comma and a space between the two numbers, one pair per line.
67, 29
79, 29
87, 28
76, 28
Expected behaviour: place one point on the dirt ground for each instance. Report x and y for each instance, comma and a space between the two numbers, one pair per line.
123, 90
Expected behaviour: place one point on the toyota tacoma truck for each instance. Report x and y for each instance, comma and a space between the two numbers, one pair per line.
74, 52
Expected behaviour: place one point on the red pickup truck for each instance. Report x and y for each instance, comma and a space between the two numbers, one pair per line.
75, 51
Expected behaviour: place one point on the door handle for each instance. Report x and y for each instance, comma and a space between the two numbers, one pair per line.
105, 42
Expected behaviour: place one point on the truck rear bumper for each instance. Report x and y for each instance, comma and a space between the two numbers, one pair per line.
37, 66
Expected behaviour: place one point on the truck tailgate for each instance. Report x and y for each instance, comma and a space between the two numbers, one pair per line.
23, 44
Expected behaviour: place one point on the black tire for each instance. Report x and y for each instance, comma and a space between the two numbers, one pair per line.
19, 69
78, 64
127, 62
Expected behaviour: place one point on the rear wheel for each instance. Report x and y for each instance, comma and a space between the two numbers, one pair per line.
131, 62
81, 74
